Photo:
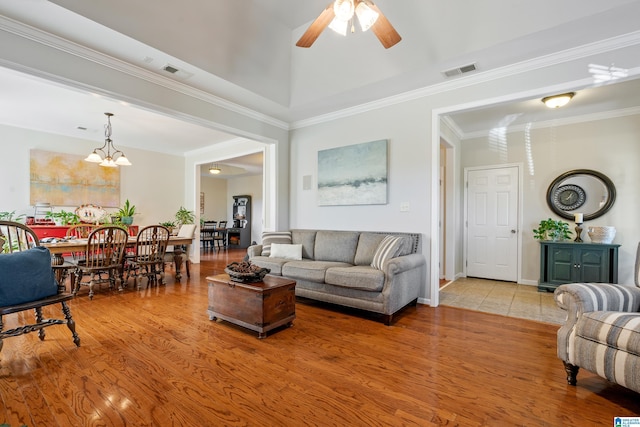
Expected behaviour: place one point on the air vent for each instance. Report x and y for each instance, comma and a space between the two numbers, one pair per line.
460, 70
177, 72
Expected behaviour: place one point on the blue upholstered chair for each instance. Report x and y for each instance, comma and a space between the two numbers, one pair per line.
602, 330
27, 282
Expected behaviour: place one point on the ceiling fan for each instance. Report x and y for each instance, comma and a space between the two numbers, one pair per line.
339, 16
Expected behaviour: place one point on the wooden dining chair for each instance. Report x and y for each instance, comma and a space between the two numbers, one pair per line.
148, 257
27, 282
103, 256
207, 231
69, 264
220, 236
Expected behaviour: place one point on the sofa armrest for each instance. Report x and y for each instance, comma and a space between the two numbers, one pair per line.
254, 250
403, 263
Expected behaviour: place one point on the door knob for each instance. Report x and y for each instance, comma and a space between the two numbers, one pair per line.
513, 231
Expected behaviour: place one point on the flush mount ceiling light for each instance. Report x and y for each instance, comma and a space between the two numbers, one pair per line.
557, 101
214, 169
112, 157
339, 16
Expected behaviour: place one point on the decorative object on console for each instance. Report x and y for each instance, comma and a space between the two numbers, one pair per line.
126, 213
91, 214
602, 234
550, 229
578, 219
112, 158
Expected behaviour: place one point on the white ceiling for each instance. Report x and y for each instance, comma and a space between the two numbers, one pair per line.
244, 52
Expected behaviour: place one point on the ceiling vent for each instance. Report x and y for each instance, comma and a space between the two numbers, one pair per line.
176, 72
460, 70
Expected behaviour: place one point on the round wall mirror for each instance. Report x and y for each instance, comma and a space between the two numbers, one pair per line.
582, 190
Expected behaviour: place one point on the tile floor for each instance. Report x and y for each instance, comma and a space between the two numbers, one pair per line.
506, 298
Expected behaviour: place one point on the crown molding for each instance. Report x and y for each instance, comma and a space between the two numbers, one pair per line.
602, 46
42, 37
555, 122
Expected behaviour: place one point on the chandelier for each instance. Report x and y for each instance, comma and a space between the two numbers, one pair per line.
112, 157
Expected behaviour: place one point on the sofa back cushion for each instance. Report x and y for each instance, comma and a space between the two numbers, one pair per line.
26, 276
337, 246
367, 245
306, 238
269, 237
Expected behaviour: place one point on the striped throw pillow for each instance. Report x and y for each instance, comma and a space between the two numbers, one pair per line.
388, 248
269, 237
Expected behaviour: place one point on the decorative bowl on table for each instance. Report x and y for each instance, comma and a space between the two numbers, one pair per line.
245, 272
601, 234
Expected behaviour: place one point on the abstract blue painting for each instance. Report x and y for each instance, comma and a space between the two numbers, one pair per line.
353, 175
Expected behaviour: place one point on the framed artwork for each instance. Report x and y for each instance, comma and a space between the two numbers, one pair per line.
67, 180
201, 203
353, 175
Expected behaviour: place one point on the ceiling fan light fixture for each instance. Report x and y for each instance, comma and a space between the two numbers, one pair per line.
366, 16
343, 9
557, 101
339, 26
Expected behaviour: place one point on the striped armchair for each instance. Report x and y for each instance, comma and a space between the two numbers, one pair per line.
602, 330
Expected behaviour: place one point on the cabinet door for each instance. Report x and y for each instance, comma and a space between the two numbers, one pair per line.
561, 265
593, 265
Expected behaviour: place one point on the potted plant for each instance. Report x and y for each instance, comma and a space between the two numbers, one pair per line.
184, 216
550, 229
170, 225
63, 217
126, 213
10, 216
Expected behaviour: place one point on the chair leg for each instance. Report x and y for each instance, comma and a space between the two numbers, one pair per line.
71, 324
38, 321
572, 373
1, 328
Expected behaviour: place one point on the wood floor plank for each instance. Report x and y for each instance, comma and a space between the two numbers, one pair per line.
152, 357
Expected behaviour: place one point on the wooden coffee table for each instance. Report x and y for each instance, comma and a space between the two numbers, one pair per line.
259, 306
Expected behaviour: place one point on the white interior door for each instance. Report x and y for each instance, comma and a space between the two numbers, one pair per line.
492, 223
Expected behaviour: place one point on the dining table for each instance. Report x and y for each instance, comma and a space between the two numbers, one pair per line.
60, 247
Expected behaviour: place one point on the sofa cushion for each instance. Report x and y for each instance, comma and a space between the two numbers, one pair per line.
356, 277
273, 264
388, 248
286, 251
339, 246
26, 276
269, 237
307, 238
313, 271
615, 329
367, 246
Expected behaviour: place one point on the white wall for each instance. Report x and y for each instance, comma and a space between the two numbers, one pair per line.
216, 203
154, 183
610, 146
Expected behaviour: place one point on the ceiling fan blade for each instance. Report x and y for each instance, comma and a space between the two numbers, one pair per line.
383, 29
317, 27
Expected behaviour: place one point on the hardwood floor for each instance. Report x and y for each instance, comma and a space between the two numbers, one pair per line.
153, 358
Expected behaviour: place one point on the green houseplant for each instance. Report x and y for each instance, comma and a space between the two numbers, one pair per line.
11, 216
550, 229
126, 213
63, 217
184, 216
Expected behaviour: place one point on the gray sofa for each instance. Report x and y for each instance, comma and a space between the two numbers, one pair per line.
336, 267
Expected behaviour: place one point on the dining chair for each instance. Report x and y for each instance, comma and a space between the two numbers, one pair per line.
103, 256
220, 236
207, 231
76, 231
186, 230
148, 257
27, 282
